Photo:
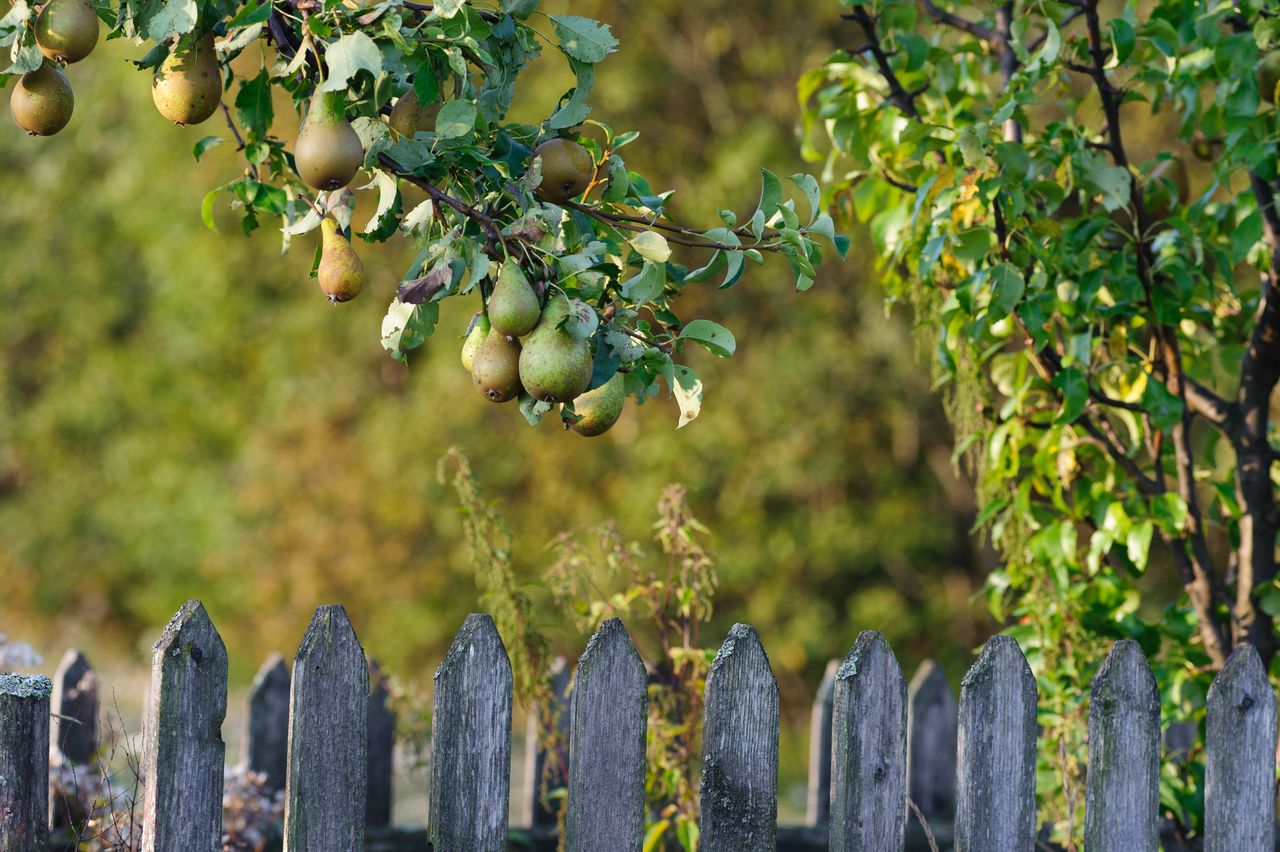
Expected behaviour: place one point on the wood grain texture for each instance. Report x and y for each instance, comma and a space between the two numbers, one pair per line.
381, 749
1240, 767
551, 760
932, 718
24, 762
607, 745
267, 723
996, 752
740, 748
328, 713
869, 750
471, 742
1122, 787
818, 812
75, 706
182, 748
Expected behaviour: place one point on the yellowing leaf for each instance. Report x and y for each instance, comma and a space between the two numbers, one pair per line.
652, 246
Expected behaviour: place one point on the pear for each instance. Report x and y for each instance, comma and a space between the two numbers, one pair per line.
67, 30
513, 305
1268, 73
328, 152
42, 100
408, 116
600, 408
555, 366
496, 368
479, 331
341, 273
187, 87
567, 169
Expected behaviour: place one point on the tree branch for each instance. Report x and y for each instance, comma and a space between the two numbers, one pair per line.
904, 100
973, 28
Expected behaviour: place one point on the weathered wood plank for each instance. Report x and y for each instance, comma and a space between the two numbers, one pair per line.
740, 748
75, 706
932, 717
1240, 766
540, 761
382, 744
607, 745
996, 753
869, 750
471, 741
182, 748
819, 805
1122, 785
267, 725
328, 713
24, 762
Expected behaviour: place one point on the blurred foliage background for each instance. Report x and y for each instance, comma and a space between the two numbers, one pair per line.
182, 414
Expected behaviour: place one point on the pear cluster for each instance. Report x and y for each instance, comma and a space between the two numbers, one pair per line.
66, 32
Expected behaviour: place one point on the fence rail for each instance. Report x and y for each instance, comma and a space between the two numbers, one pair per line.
879, 749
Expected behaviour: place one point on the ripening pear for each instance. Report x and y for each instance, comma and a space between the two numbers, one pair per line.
513, 304
567, 169
479, 331
42, 100
328, 152
341, 273
1268, 73
67, 30
600, 408
187, 87
408, 116
496, 368
555, 366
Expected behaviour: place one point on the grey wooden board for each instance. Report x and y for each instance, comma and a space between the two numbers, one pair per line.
24, 762
328, 709
1240, 767
381, 749
182, 748
818, 812
869, 750
75, 703
267, 723
539, 761
932, 717
471, 742
739, 793
607, 745
1122, 787
996, 752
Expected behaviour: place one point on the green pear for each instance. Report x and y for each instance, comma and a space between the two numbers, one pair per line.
408, 116
187, 87
567, 170
555, 366
328, 152
479, 331
67, 30
42, 101
1268, 73
496, 368
513, 305
600, 408
341, 273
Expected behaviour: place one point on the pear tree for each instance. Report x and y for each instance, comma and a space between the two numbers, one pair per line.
573, 261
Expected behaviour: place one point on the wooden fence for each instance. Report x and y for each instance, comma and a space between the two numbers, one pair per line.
884, 755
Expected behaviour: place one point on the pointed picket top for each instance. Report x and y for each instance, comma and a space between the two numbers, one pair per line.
182, 747
740, 748
869, 750
536, 813
471, 741
267, 723
1240, 764
932, 717
328, 715
1122, 786
75, 709
818, 812
996, 752
607, 745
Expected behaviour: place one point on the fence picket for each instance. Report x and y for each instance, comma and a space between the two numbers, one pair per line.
1240, 766
267, 725
931, 742
996, 752
818, 812
869, 756
75, 708
609, 712
471, 741
182, 748
24, 763
740, 748
381, 749
536, 814
328, 714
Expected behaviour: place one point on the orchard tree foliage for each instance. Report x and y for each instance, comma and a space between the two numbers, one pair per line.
410, 101
1078, 198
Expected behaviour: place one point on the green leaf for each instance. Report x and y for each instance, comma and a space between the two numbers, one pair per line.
253, 105
1165, 408
647, 285
1111, 181
1138, 542
250, 15
652, 246
204, 145
575, 110
770, 193
713, 337
584, 39
809, 186
349, 55
1007, 287
1124, 38
1074, 387
456, 119
174, 18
